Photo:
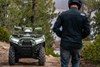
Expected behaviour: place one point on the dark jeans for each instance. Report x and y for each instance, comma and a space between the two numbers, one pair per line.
67, 54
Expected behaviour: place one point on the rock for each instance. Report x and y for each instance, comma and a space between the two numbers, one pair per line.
4, 46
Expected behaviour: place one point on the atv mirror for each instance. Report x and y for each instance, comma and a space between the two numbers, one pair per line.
38, 28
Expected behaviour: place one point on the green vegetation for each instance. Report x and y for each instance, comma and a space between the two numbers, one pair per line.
92, 51
44, 12
34, 13
4, 34
23, 13
94, 6
50, 51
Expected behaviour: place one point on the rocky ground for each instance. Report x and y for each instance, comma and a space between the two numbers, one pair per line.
50, 60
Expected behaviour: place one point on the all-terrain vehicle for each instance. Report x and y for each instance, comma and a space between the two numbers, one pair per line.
26, 45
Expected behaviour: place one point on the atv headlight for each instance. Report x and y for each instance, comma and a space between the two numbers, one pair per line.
15, 40
39, 41
43, 37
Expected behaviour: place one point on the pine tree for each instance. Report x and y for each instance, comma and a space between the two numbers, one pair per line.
44, 13
3, 11
94, 5
35, 13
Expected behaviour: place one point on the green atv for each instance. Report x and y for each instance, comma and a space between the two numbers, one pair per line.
27, 45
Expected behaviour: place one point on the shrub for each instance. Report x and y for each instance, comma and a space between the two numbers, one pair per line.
50, 51
92, 52
4, 34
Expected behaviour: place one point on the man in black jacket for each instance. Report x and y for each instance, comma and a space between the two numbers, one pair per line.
75, 27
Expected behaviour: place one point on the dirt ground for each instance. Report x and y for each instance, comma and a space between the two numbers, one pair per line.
50, 60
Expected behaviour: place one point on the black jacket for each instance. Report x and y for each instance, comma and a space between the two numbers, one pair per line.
75, 27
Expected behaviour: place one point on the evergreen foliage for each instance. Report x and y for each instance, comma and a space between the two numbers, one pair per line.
94, 5
92, 51
44, 13
4, 34
21, 13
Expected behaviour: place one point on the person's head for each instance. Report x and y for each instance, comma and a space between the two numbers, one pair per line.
75, 3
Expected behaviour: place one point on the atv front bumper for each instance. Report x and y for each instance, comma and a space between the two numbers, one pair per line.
26, 51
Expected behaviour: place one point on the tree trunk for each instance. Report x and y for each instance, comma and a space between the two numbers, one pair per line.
33, 6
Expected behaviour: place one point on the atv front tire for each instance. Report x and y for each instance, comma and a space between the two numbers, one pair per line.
41, 56
11, 56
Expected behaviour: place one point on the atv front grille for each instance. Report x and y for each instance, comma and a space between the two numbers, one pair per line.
27, 43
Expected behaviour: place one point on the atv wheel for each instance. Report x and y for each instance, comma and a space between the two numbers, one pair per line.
41, 56
11, 56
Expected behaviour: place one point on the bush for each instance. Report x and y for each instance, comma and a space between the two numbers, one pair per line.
92, 52
50, 51
4, 34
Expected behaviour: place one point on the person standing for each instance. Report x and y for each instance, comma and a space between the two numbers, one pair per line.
75, 27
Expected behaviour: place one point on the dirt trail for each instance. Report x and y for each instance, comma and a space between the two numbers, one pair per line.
50, 60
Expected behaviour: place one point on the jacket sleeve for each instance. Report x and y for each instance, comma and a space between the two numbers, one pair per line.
57, 26
86, 28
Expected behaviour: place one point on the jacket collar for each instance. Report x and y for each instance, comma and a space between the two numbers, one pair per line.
74, 8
